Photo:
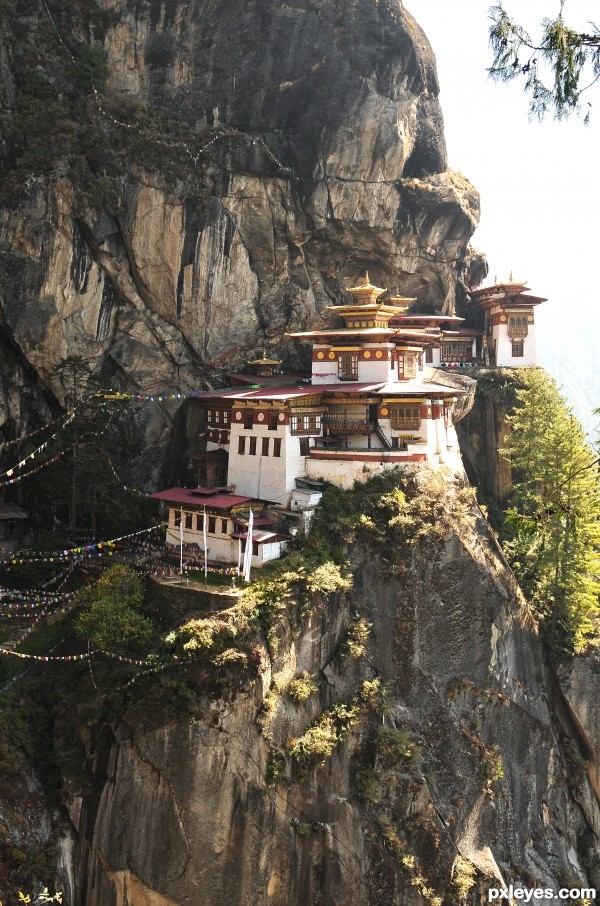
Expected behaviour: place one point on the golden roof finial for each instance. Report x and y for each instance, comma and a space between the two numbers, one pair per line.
366, 276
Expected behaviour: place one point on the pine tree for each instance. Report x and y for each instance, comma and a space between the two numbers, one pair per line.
557, 67
554, 520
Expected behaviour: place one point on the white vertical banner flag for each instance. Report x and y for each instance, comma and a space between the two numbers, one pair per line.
239, 563
181, 542
205, 545
248, 554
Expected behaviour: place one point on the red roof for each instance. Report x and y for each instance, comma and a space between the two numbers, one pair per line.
216, 500
296, 392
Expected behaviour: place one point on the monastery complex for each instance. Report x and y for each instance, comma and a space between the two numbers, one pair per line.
372, 403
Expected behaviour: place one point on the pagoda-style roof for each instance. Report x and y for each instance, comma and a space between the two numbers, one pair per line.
366, 291
265, 361
511, 293
510, 287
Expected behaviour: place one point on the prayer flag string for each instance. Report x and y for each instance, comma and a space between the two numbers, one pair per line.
56, 556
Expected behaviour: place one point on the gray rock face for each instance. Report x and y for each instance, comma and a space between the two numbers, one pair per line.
328, 159
483, 431
184, 812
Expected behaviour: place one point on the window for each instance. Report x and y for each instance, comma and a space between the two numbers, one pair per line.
306, 424
457, 352
276, 446
252, 450
517, 350
218, 417
241, 445
517, 326
224, 526
429, 355
188, 520
200, 522
248, 420
265, 446
212, 525
304, 446
405, 417
272, 421
407, 364
175, 517
254, 548
348, 366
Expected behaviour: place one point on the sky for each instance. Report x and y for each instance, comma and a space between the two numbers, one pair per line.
539, 183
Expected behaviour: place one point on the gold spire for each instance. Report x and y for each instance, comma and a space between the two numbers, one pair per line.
366, 291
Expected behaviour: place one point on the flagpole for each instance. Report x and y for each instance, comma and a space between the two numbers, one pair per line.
248, 552
205, 548
181, 544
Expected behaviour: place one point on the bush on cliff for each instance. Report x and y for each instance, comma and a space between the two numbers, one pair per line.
111, 618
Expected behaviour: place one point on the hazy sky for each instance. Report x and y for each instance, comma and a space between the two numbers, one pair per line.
539, 183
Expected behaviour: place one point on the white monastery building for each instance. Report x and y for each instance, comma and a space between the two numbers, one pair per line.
372, 403
509, 324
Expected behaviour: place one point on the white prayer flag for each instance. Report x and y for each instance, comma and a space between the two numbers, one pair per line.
248, 554
205, 545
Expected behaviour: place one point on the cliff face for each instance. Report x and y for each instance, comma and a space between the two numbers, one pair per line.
267, 155
191, 812
482, 433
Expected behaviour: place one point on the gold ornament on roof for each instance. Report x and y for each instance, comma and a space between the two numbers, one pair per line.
265, 360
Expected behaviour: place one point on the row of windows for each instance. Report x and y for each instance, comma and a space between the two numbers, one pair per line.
407, 364
195, 522
265, 446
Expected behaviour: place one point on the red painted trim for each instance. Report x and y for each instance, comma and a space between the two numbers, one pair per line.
376, 457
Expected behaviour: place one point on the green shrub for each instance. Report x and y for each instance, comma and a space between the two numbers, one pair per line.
357, 637
319, 740
301, 688
394, 745
463, 877
111, 619
92, 67
327, 578
493, 765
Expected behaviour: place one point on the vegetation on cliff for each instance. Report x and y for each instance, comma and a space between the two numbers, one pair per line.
552, 525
